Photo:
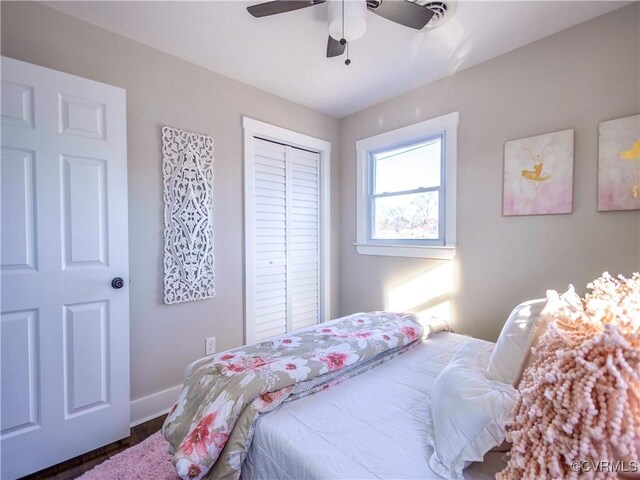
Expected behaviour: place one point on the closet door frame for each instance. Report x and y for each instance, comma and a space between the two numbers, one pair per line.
255, 128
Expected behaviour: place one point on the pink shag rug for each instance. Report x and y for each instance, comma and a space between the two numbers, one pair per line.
148, 460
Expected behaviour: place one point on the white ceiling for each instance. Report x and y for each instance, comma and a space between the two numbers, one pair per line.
285, 54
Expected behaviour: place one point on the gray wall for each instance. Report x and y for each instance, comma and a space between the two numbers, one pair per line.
573, 79
164, 90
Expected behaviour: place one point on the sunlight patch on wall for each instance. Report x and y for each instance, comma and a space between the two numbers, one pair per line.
415, 294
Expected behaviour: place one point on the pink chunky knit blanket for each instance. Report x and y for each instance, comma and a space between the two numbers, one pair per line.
580, 400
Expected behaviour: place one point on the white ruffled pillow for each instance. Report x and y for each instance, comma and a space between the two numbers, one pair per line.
555, 301
512, 353
468, 414
513, 347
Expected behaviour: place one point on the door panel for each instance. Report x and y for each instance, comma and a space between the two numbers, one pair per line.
17, 212
86, 355
284, 253
65, 331
20, 403
270, 237
304, 238
84, 206
17, 104
82, 117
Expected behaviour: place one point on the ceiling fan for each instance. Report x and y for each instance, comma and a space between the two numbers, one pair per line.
347, 18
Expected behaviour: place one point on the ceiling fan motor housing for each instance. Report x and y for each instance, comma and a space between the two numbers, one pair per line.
443, 11
355, 24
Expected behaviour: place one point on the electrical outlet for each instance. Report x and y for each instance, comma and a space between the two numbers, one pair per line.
210, 346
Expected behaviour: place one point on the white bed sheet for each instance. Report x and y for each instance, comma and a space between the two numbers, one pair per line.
370, 427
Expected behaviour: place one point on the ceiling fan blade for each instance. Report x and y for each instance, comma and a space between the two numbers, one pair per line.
403, 12
280, 6
334, 47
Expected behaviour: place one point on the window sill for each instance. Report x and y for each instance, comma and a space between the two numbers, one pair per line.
446, 252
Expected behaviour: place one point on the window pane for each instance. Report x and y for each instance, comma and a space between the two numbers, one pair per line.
408, 168
407, 217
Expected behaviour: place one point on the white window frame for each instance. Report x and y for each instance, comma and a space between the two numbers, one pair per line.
447, 127
256, 128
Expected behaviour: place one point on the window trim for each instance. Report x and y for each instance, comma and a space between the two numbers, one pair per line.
447, 126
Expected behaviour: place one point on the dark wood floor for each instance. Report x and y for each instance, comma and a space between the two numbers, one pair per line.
77, 466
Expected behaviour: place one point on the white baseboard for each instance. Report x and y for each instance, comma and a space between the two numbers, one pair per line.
154, 405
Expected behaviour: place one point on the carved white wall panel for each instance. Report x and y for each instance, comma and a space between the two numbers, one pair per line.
17, 104
20, 373
84, 211
81, 117
86, 333
17, 197
187, 166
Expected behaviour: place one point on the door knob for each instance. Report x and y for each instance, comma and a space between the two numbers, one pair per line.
117, 282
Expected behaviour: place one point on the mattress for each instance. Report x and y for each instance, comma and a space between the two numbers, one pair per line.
371, 426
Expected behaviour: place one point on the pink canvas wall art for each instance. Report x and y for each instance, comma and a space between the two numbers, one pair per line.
619, 164
538, 175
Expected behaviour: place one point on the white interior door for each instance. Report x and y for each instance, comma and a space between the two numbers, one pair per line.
64, 328
283, 239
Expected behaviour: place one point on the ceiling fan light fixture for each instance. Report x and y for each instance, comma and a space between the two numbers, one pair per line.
355, 24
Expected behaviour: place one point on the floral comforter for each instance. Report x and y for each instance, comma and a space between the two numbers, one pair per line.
211, 425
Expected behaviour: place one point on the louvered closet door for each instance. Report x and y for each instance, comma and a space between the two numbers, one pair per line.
286, 211
270, 237
304, 253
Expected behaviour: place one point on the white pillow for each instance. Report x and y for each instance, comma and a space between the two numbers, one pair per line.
570, 298
513, 347
468, 414
555, 302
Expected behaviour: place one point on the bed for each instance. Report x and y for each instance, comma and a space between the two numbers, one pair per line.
330, 435
371, 426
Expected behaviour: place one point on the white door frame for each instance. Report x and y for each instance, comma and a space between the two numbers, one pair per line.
255, 128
